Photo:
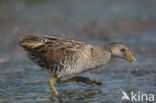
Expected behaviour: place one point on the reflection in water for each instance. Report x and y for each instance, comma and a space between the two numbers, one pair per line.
89, 93
53, 98
60, 99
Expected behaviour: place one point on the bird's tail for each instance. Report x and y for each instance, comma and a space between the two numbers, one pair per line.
28, 42
21, 35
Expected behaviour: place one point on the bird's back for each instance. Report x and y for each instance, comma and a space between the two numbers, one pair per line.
58, 55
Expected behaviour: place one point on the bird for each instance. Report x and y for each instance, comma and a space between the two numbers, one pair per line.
64, 57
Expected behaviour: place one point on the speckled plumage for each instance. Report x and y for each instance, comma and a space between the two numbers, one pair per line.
62, 56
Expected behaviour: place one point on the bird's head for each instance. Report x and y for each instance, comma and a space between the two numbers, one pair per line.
120, 50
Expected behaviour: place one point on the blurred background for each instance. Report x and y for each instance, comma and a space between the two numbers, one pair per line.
93, 21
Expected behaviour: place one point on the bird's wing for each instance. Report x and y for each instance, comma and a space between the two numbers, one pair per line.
60, 48
52, 49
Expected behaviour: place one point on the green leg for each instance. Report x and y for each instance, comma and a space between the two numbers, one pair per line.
78, 79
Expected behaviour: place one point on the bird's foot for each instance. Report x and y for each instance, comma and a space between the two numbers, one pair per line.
88, 81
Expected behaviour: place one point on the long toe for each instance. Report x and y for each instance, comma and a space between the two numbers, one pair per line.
92, 81
97, 82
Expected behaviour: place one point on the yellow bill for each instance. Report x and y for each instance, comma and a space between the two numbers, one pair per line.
129, 57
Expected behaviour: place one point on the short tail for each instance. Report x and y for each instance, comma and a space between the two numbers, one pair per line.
21, 35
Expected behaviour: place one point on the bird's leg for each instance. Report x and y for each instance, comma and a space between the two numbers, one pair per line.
51, 83
78, 79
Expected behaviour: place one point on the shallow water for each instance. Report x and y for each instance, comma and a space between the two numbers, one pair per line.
96, 22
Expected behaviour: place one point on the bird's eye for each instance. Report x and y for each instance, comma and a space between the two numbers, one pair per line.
123, 50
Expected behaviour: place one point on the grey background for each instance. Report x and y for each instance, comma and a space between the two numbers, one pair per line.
93, 21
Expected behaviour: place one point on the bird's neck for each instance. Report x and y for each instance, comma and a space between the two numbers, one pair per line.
100, 55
